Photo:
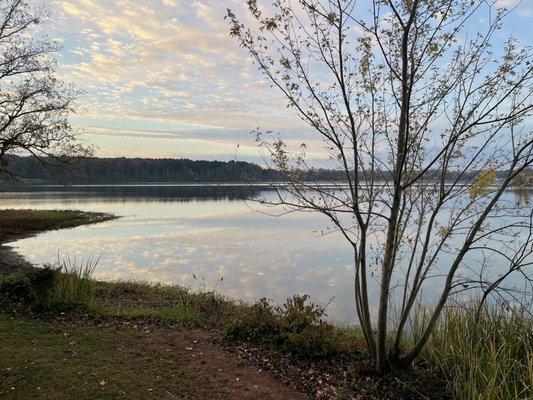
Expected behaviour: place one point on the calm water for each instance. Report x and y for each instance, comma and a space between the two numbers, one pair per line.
167, 233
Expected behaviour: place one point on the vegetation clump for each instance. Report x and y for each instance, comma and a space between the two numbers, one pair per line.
32, 286
487, 355
53, 288
297, 326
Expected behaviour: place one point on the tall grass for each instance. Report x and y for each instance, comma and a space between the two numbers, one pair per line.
484, 358
74, 284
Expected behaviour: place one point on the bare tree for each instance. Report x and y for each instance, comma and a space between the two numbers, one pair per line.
34, 103
429, 124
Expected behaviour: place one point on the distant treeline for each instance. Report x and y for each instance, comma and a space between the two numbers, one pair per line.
114, 170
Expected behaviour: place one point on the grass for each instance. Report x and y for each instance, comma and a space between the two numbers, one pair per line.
74, 283
163, 304
38, 361
489, 358
50, 360
16, 223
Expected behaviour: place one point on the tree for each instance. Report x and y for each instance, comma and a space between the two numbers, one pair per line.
419, 114
34, 103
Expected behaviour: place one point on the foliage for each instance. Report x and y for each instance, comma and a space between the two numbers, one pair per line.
74, 286
403, 87
482, 183
35, 103
109, 170
296, 326
63, 287
154, 170
32, 286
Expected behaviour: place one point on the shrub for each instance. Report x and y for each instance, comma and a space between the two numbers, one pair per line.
60, 288
296, 326
33, 286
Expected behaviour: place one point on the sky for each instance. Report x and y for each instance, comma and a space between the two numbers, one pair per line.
162, 78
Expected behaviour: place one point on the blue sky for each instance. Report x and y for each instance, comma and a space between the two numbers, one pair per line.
162, 78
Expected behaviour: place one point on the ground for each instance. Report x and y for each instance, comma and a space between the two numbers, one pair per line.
68, 360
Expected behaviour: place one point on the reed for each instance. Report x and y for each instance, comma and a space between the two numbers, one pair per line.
75, 284
483, 357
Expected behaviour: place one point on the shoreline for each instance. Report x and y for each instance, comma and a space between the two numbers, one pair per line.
238, 350
312, 367
22, 224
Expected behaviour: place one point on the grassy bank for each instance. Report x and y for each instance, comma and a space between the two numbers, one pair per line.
82, 332
491, 358
16, 224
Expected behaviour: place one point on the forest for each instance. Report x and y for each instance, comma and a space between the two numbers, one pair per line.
115, 170
123, 170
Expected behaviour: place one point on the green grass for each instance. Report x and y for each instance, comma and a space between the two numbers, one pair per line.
74, 283
163, 304
44, 360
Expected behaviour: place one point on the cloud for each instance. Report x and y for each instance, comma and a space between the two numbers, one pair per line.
169, 61
169, 66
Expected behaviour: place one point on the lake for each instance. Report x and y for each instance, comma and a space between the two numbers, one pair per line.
194, 235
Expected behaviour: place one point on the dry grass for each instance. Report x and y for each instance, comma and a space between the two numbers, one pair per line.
490, 358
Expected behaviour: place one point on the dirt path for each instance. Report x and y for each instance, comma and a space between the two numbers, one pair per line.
227, 376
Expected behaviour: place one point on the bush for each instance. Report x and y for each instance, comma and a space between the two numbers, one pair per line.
53, 289
33, 286
296, 326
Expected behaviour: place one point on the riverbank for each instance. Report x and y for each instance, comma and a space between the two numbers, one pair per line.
64, 335
88, 353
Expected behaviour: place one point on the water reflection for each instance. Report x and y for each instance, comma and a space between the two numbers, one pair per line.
523, 196
139, 192
169, 233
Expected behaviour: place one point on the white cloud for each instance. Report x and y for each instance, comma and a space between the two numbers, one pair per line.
168, 62
524, 7
164, 60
